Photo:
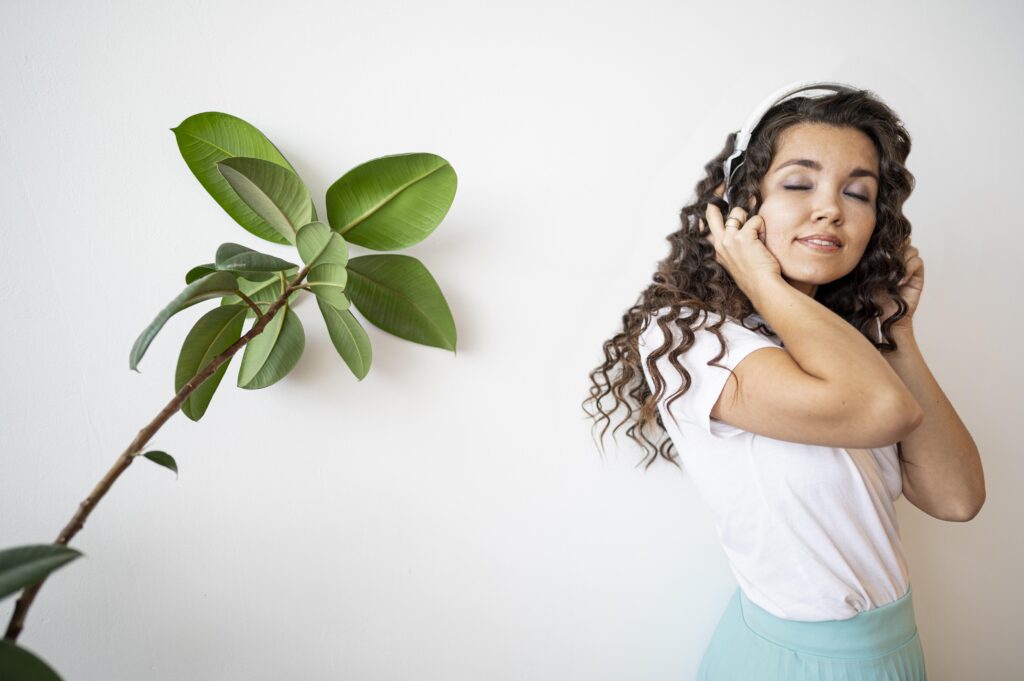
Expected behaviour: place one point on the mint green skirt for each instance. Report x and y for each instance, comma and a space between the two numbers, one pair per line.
749, 642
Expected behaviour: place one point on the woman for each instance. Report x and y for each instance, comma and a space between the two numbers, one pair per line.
807, 303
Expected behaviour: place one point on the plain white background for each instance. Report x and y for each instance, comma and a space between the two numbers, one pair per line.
450, 517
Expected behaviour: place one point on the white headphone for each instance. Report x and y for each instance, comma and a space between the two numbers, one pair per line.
743, 135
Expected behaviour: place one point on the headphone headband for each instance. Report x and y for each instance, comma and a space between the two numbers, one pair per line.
744, 133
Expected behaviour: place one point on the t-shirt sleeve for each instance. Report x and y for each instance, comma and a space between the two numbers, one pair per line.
707, 381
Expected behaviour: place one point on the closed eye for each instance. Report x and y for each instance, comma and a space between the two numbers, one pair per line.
856, 196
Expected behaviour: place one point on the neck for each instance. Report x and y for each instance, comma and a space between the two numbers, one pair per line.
804, 287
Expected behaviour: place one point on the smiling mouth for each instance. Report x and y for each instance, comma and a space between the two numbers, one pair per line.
820, 247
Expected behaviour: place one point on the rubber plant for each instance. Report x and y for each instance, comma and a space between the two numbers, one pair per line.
386, 204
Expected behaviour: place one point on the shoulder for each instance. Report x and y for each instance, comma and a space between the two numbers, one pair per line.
732, 331
695, 377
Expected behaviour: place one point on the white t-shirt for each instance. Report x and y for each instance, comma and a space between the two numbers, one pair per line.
810, 531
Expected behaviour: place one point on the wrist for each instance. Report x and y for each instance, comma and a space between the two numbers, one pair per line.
903, 331
906, 344
767, 288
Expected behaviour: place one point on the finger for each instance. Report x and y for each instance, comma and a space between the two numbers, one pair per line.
754, 226
713, 216
739, 215
720, 189
913, 267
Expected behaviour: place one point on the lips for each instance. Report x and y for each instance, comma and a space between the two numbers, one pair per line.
823, 237
820, 248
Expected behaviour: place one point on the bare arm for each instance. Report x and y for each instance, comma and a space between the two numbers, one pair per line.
830, 385
826, 346
945, 477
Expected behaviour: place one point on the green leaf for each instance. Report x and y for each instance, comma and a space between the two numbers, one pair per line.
25, 565
207, 138
328, 253
398, 294
318, 244
349, 338
248, 263
273, 353
163, 458
263, 293
20, 664
273, 192
211, 335
199, 271
212, 285
391, 202
328, 283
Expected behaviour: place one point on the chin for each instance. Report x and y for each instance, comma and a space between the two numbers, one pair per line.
811, 268
818, 279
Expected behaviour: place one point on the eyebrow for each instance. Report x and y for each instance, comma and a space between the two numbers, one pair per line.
814, 165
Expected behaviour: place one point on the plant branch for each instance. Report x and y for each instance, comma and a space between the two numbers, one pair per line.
77, 522
250, 303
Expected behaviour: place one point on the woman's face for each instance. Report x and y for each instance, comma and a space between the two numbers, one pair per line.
819, 194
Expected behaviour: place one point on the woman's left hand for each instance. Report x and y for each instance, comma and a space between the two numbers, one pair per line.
910, 287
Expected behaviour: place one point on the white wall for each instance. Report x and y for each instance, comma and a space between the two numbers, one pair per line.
449, 517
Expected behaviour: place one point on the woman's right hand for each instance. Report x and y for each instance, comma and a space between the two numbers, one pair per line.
741, 251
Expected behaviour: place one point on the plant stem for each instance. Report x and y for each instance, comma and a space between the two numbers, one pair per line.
250, 303
17, 623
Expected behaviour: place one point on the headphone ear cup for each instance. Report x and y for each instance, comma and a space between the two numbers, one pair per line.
730, 185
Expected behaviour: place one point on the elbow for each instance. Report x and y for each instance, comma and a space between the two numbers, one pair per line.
969, 510
913, 417
901, 416
967, 513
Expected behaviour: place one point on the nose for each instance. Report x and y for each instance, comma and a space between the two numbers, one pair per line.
828, 207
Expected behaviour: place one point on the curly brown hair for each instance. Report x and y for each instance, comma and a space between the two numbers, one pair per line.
691, 277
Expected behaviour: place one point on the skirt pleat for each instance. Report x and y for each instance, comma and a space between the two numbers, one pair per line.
750, 643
